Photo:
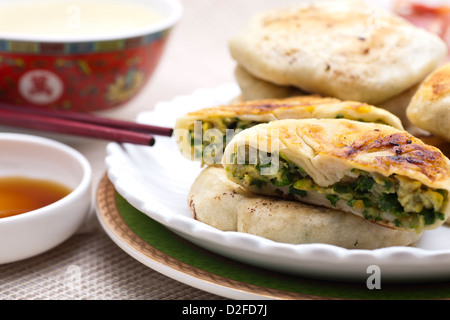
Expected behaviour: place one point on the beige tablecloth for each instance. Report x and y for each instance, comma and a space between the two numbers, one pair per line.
196, 56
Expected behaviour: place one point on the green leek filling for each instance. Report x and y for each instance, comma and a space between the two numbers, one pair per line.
224, 126
237, 124
405, 202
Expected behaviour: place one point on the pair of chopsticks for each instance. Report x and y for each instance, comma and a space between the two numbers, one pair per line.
81, 124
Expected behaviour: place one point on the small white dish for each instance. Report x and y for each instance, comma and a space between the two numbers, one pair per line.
34, 232
157, 180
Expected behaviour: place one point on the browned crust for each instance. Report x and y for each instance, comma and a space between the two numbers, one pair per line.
265, 106
437, 85
394, 150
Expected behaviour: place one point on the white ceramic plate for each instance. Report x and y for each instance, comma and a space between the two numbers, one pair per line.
156, 181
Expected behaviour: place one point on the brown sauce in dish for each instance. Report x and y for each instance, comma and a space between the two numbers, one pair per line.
21, 194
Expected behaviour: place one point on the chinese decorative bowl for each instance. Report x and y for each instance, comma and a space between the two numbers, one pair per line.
83, 72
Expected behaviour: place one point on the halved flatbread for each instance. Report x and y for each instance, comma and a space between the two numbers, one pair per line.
437, 142
222, 204
203, 134
429, 108
372, 170
346, 49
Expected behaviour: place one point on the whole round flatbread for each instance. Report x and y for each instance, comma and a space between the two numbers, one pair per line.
429, 108
350, 50
220, 203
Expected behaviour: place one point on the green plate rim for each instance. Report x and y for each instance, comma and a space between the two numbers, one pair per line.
212, 267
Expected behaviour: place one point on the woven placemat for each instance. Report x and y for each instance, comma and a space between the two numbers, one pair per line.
98, 267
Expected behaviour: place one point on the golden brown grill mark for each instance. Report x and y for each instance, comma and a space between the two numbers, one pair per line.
260, 107
381, 142
438, 83
401, 150
440, 88
267, 105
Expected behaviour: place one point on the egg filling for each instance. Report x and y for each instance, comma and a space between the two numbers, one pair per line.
214, 141
406, 203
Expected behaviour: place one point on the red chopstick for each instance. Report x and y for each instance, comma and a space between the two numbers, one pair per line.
73, 127
93, 119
